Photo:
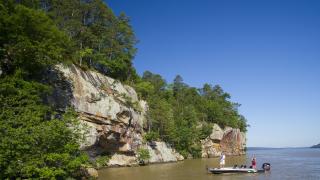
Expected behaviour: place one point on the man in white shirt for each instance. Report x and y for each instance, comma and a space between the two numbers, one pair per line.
222, 160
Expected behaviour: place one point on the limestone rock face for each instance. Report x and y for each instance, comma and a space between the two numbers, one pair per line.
122, 160
161, 152
217, 133
230, 141
179, 156
91, 133
99, 95
105, 107
233, 142
209, 148
111, 113
114, 119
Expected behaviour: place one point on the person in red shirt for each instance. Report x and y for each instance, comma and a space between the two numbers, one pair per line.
254, 162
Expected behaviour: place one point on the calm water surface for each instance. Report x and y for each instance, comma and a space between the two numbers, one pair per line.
302, 163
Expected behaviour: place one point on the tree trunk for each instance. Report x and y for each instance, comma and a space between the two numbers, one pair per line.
80, 54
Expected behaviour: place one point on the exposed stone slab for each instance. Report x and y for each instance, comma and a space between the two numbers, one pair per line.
217, 133
122, 160
229, 140
162, 152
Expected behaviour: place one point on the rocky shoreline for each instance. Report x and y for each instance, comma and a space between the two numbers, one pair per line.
115, 120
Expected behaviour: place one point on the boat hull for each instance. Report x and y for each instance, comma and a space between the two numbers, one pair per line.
232, 170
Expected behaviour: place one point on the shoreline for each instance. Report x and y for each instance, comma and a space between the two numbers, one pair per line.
168, 162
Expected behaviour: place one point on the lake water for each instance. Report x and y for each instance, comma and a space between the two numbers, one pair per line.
299, 163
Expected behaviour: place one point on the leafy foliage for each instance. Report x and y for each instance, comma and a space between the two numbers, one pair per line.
101, 161
36, 141
182, 115
151, 136
29, 41
205, 131
143, 155
101, 40
32, 144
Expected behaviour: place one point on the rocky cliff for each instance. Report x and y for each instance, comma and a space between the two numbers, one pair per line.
228, 140
114, 118
111, 113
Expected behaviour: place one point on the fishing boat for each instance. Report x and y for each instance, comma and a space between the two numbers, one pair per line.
241, 169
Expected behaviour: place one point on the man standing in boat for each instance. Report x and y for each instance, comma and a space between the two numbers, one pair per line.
222, 160
254, 162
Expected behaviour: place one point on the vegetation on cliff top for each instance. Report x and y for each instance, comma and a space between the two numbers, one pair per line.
183, 115
100, 40
36, 140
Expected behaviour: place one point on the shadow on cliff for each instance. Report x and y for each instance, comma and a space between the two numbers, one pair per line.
61, 93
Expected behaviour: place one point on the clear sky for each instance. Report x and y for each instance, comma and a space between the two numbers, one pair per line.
265, 53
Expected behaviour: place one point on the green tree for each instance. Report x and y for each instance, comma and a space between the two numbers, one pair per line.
178, 85
183, 115
143, 155
161, 116
185, 135
32, 144
29, 41
144, 89
91, 24
156, 80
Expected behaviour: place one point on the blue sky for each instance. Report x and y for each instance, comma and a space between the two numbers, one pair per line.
265, 53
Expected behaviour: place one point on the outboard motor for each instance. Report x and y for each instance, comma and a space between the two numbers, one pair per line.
266, 166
